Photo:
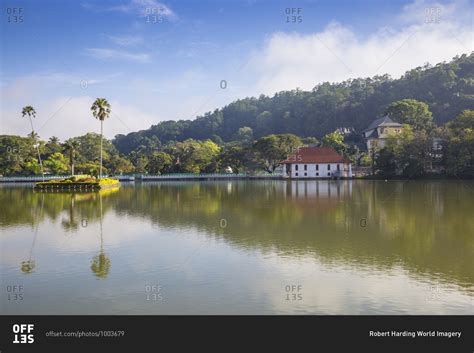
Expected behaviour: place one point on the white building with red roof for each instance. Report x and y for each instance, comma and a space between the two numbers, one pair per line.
317, 162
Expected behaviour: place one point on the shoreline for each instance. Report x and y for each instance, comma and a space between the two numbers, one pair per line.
129, 179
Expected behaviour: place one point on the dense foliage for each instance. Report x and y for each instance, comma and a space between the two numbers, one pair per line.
252, 134
18, 156
417, 152
446, 88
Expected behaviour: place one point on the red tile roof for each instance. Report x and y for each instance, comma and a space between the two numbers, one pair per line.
316, 155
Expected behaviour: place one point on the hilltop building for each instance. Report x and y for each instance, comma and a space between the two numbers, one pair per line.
377, 133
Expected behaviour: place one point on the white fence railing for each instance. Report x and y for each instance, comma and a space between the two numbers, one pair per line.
32, 178
173, 176
193, 176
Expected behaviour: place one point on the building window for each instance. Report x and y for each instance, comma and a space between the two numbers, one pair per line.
317, 174
329, 167
296, 174
305, 174
329, 174
305, 167
296, 166
317, 166
338, 168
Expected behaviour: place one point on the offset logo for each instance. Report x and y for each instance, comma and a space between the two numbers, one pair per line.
23, 333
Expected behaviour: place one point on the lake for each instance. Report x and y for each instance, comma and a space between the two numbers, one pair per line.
240, 247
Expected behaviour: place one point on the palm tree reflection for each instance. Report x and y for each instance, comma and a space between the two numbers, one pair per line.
101, 263
71, 224
29, 265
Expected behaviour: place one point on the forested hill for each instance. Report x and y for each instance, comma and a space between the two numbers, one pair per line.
448, 88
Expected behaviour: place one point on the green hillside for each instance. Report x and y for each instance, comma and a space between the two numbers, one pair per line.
448, 89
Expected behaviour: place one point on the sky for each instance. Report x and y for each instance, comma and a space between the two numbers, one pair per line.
171, 60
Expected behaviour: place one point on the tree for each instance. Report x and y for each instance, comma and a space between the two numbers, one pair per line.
88, 148
15, 151
193, 156
71, 148
139, 162
446, 88
89, 168
33, 136
407, 154
119, 165
101, 110
465, 120
335, 140
310, 141
56, 163
160, 162
236, 157
53, 145
385, 163
458, 152
32, 167
244, 134
263, 123
271, 150
411, 112
30, 111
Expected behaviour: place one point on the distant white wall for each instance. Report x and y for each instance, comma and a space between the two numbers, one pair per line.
320, 170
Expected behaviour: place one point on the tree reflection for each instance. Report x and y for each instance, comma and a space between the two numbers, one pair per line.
101, 263
29, 265
424, 226
71, 223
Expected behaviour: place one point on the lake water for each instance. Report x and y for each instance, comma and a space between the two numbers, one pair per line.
240, 247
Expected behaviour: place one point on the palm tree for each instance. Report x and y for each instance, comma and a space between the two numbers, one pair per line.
33, 135
54, 140
71, 148
30, 111
101, 110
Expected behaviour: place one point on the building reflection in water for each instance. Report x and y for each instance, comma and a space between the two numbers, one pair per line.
318, 189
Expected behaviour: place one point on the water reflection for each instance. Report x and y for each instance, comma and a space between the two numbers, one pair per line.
29, 265
421, 229
101, 263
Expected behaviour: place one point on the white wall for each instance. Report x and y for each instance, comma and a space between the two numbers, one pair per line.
322, 172
380, 143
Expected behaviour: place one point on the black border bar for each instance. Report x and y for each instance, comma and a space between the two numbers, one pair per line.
245, 333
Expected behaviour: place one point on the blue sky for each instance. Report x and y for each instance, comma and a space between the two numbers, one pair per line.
158, 61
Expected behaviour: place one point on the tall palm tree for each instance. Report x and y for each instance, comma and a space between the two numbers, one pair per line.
33, 135
31, 112
101, 110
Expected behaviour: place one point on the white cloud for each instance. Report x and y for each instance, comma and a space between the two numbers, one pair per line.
290, 60
286, 61
19, 88
111, 54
